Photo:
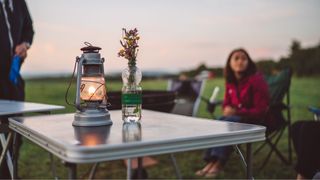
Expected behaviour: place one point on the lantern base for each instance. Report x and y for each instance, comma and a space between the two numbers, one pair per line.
92, 117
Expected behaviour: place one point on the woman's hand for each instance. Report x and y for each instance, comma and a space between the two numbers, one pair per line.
21, 50
229, 111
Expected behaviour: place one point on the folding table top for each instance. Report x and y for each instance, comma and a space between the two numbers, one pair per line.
158, 133
17, 107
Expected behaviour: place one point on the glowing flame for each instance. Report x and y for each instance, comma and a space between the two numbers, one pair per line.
91, 140
91, 90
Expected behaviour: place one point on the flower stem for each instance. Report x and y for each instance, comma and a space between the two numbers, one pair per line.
132, 71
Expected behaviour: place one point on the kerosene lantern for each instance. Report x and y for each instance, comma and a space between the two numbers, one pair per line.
91, 101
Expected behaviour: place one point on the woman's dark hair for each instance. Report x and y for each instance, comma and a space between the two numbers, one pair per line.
228, 72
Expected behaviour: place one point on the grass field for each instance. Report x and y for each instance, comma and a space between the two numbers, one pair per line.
34, 162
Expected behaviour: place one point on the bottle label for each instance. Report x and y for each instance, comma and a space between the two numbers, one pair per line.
131, 99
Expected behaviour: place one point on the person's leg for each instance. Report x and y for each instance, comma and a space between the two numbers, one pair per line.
295, 135
296, 139
7, 91
218, 154
14, 145
206, 169
305, 137
18, 94
221, 153
216, 157
4, 170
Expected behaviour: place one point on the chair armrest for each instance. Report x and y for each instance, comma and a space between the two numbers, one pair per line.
281, 106
211, 105
316, 112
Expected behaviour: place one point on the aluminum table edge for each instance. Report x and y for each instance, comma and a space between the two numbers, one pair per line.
76, 154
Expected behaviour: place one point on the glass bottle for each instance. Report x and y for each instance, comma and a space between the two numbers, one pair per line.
131, 97
131, 132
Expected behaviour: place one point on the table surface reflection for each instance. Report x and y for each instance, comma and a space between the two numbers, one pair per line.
158, 133
8, 107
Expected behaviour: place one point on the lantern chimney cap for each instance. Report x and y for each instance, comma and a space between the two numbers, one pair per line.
89, 48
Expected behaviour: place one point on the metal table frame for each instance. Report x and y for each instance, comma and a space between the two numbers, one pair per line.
11, 108
73, 154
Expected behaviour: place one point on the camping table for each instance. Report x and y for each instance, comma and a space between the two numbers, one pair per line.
158, 133
12, 108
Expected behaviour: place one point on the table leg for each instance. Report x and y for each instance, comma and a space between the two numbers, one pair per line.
93, 171
5, 154
249, 161
175, 165
15, 156
140, 168
5, 146
72, 170
129, 169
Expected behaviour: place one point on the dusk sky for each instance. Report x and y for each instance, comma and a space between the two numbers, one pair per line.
175, 34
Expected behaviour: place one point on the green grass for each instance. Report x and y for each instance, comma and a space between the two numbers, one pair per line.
34, 162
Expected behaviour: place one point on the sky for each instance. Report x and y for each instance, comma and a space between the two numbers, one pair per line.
175, 34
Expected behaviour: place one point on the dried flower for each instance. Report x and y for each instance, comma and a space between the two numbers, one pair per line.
129, 45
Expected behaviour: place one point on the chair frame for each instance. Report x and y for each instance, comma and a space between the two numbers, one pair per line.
272, 138
316, 113
195, 109
197, 102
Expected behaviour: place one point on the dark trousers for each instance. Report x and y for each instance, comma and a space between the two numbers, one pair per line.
306, 142
4, 170
221, 153
11, 92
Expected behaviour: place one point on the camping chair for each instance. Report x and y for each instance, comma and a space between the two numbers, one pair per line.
188, 98
279, 89
316, 113
279, 86
188, 95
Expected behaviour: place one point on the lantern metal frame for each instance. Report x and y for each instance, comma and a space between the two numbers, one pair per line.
94, 113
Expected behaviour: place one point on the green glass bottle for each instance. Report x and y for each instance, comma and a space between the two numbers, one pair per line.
131, 97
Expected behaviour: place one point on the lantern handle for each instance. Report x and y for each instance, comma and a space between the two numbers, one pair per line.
87, 43
72, 77
79, 62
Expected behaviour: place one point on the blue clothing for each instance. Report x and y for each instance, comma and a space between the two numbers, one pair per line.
221, 153
15, 70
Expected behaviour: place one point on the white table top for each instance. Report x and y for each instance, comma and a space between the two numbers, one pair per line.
17, 107
158, 133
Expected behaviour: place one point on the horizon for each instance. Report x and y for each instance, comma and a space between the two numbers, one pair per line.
175, 35
110, 73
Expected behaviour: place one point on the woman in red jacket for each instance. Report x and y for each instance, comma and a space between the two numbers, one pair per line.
246, 100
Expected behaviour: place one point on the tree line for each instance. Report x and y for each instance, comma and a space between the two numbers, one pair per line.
303, 62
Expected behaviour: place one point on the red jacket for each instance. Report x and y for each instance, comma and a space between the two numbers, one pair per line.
250, 97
